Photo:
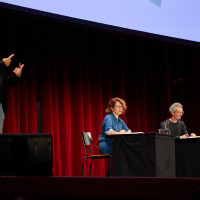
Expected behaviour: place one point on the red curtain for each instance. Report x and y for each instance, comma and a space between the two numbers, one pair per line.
72, 71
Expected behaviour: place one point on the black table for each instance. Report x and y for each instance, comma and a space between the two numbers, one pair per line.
187, 157
144, 155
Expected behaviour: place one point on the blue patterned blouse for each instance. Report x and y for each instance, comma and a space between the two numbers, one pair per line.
109, 123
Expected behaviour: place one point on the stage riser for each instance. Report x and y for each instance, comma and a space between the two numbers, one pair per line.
97, 188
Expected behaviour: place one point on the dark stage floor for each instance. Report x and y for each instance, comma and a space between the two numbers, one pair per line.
96, 188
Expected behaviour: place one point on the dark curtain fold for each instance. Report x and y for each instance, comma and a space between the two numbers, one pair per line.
72, 71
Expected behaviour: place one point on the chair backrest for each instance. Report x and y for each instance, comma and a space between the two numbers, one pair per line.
87, 141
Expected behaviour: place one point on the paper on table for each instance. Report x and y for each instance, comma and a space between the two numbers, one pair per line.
129, 133
195, 137
134, 133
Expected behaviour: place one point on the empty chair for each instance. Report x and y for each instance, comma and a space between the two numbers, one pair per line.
87, 141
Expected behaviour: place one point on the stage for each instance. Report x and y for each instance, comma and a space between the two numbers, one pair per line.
97, 188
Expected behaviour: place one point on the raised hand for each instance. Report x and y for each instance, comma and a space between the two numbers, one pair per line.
18, 70
7, 60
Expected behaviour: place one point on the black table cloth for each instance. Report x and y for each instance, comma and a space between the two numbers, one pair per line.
144, 155
188, 157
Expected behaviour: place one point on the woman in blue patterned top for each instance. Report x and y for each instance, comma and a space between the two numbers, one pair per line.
112, 124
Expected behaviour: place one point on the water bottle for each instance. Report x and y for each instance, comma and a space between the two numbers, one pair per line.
166, 128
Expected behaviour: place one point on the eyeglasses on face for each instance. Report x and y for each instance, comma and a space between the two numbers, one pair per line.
118, 106
179, 112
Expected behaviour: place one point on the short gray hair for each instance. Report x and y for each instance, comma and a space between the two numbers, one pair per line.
173, 107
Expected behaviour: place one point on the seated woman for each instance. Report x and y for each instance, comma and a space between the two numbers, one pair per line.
112, 124
174, 124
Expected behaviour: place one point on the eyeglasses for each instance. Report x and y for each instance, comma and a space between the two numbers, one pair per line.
118, 106
180, 112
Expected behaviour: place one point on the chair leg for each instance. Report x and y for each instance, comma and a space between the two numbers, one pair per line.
91, 167
110, 166
83, 166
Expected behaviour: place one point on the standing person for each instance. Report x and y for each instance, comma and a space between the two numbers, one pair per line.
174, 124
112, 124
6, 81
